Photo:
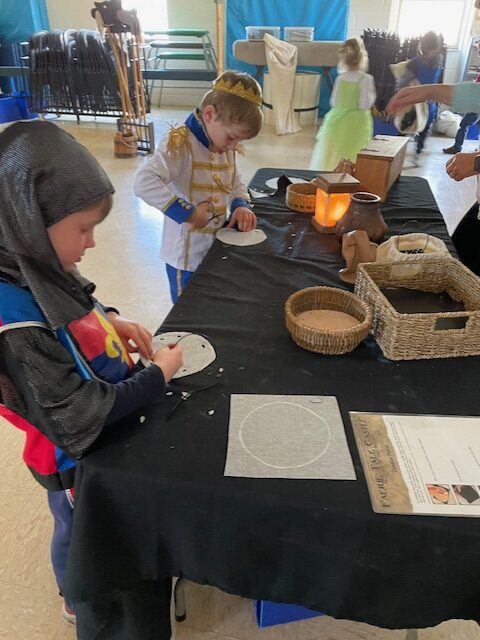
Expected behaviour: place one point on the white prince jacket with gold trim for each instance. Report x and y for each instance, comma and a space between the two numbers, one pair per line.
182, 173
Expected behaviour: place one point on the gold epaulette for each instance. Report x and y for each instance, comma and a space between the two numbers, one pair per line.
240, 149
177, 141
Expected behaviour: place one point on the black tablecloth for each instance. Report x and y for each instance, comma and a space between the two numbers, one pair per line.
152, 499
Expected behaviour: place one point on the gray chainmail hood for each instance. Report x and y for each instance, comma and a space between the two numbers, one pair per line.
45, 175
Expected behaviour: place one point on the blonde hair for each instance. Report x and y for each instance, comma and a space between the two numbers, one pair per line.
232, 108
353, 55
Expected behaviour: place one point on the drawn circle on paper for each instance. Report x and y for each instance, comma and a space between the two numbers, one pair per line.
197, 351
284, 435
272, 183
241, 238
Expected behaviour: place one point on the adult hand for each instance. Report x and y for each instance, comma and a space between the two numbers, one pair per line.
201, 214
460, 166
169, 360
422, 93
134, 336
244, 218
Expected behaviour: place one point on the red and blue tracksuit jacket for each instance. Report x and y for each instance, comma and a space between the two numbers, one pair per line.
97, 352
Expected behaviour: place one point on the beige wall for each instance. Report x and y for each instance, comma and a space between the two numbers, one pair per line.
368, 13
75, 14
70, 14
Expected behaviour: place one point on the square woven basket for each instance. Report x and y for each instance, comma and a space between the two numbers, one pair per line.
417, 336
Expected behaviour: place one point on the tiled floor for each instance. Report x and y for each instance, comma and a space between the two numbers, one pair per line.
129, 274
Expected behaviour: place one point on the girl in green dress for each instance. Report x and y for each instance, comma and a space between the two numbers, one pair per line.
348, 126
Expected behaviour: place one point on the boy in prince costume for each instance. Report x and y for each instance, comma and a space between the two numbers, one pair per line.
65, 370
193, 178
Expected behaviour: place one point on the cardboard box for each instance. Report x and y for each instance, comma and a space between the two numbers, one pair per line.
271, 613
380, 163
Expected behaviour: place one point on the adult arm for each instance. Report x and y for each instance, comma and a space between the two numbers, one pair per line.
421, 93
466, 97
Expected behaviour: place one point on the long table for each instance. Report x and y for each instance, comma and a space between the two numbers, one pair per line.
153, 501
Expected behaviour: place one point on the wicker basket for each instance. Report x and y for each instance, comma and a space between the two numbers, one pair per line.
327, 341
301, 197
417, 336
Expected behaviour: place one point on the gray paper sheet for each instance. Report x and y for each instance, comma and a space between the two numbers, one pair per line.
274, 436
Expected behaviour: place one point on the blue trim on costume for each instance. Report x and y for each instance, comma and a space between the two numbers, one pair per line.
63, 461
173, 275
179, 210
195, 125
240, 202
18, 305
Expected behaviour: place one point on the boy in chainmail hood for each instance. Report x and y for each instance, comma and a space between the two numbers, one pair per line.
65, 368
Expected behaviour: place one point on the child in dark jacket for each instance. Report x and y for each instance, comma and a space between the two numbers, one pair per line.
65, 368
425, 68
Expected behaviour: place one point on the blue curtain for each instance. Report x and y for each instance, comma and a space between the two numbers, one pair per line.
328, 17
20, 18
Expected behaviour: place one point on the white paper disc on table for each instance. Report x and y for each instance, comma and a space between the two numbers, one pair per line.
197, 351
241, 238
273, 182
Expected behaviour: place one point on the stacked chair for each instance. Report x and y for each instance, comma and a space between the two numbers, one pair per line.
72, 72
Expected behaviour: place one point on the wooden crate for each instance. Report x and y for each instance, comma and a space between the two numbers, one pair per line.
380, 163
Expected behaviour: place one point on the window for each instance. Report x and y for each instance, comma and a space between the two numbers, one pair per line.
451, 18
153, 14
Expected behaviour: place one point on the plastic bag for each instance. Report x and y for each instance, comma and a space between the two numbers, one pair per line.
447, 123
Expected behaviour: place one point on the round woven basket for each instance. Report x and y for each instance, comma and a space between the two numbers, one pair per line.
301, 197
327, 341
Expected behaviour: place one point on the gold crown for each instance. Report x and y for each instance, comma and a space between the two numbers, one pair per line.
238, 90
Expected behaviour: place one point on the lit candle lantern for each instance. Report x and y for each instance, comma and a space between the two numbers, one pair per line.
332, 199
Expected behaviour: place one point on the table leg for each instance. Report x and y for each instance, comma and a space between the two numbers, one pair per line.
326, 73
179, 600
259, 74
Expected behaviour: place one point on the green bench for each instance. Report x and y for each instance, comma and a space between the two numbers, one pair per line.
163, 49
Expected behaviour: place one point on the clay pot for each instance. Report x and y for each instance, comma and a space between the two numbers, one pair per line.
356, 249
363, 213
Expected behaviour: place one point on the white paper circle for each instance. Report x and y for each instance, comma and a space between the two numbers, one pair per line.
284, 435
197, 351
241, 238
273, 182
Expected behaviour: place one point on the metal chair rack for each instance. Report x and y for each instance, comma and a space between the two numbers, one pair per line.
72, 72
